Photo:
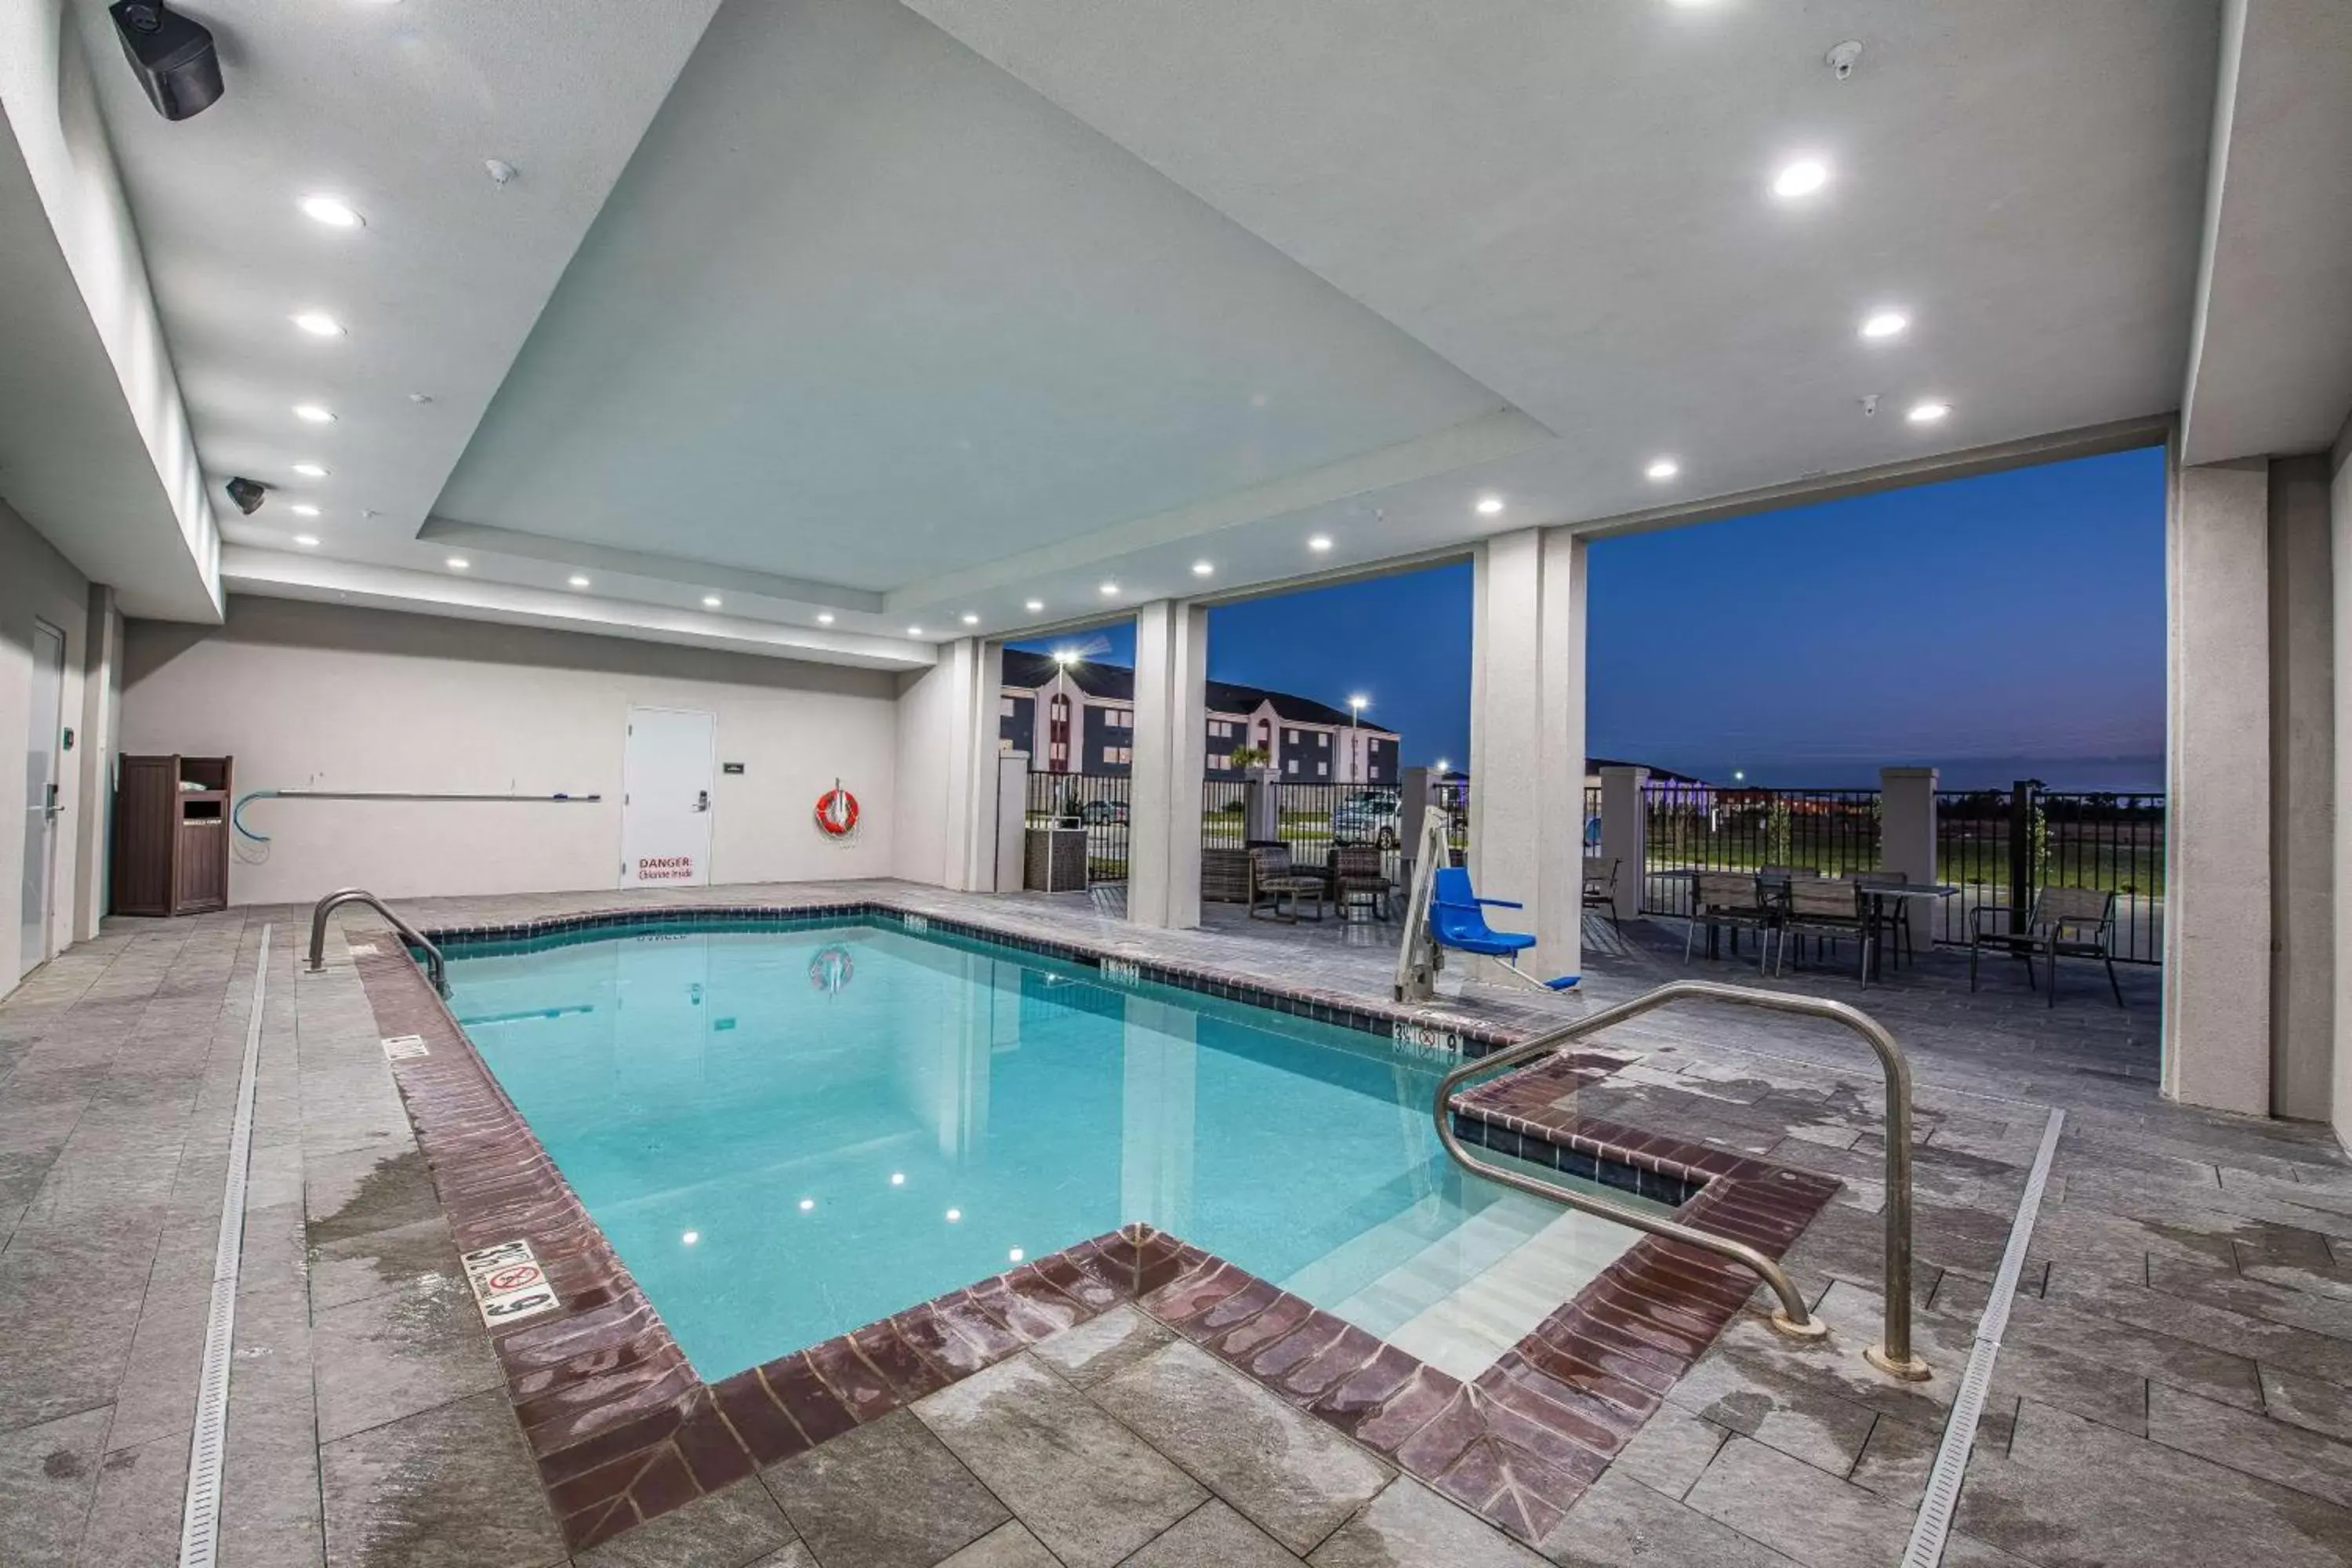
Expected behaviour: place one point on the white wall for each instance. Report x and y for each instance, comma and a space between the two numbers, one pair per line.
947, 732
325, 697
2340, 573
36, 582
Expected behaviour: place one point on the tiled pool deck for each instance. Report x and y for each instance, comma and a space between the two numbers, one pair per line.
2176, 1384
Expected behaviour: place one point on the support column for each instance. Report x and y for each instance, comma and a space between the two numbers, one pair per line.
1163, 818
1527, 737
2303, 791
1626, 833
2217, 914
1906, 822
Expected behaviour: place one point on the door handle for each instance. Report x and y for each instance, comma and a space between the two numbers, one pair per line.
702, 800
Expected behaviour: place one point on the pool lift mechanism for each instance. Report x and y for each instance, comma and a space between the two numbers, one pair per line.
1443, 914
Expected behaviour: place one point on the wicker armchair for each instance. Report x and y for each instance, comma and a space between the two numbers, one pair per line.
1273, 878
1358, 871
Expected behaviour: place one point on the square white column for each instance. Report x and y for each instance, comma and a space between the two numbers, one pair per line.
1170, 743
1527, 739
2217, 895
1626, 833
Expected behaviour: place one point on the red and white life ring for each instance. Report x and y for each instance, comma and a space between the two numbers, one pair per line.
836, 812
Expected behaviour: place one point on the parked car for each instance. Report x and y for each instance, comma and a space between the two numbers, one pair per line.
1368, 816
1099, 812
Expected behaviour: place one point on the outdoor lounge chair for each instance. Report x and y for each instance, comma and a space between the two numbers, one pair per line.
2056, 912
1600, 886
1358, 871
1817, 908
1273, 878
1734, 899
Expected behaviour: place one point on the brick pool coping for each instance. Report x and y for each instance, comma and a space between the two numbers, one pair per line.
623, 1429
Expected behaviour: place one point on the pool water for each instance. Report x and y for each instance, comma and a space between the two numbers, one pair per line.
788, 1134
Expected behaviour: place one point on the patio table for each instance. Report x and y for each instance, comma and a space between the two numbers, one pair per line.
1878, 892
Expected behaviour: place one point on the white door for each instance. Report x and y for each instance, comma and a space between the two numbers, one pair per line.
41, 803
665, 780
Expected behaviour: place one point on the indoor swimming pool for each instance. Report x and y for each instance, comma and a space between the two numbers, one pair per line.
790, 1131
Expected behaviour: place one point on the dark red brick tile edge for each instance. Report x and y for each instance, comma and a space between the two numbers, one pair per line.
622, 1430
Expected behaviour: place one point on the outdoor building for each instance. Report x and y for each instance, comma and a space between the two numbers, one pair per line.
1089, 725
571, 994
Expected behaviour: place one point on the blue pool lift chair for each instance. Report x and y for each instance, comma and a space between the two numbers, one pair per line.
1457, 920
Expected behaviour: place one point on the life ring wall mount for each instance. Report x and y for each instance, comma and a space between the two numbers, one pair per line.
836, 814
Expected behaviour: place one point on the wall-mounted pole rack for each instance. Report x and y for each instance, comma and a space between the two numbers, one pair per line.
236, 815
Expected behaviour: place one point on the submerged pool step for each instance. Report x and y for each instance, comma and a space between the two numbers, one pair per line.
1464, 1332
1444, 1263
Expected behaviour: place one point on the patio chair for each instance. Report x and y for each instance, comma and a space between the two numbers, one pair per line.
1896, 915
1358, 871
2056, 913
1273, 878
1732, 899
1600, 886
1823, 908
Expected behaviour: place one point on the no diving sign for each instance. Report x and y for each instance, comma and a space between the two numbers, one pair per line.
509, 1284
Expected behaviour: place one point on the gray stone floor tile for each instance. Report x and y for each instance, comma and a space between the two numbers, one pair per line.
1006, 1546
356, 1192
1896, 1461
1102, 1347
48, 1475
1087, 1487
157, 1392
724, 1530
377, 1262
2258, 1445
1213, 1536
796, 1555
2073, 1493
1798, 1511
1621, 1523
1670, 1450
2316, 1406
1407, 1524
886, 1495
388, 1356
142, 1495
453, 1487
2090, 1336
1289, 1475
66, 1344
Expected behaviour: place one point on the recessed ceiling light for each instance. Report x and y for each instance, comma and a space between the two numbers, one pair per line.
914, 631
1109, 589
306, 540
1033, 606
311, 470
1489, 505
1319, 543
1205, 568
1663, 469
312, 413
458, 563
578, 579
304, 511
710, 601
824, 618
1884, 324
969, 619
1802, 178
333, 211
319, 324
1927, 412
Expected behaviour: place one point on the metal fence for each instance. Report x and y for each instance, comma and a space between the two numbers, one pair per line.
1309, 817
1099, 802
1701, 827
1999, 846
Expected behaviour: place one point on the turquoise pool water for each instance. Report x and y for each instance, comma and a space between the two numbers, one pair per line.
789, 1133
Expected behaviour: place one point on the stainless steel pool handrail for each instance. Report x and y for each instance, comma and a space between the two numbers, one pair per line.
435, 968
1892, 1354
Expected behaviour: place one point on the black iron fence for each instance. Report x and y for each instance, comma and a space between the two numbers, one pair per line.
1999, 846
1703, 827
1097, 802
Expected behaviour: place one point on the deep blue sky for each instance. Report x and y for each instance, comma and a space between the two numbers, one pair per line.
1998, 626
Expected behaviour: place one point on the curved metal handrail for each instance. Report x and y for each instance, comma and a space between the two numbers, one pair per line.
1892, 1354
435, 968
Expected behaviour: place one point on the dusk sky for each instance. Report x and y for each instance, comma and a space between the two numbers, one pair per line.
2002, 626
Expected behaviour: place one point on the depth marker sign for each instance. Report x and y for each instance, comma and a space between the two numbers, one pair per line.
509, 1284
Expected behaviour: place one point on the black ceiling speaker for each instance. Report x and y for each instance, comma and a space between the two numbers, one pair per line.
248, 494
172, 56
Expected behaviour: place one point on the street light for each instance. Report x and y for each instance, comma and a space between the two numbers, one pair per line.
1355, 741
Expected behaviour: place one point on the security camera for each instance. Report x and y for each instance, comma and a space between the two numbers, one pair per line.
172, 55
248, 494
1842, 57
